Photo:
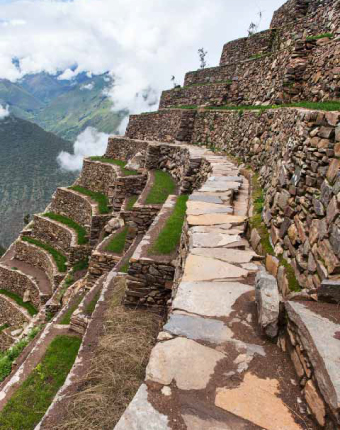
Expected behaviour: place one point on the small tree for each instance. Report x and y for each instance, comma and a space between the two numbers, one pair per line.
254, 27
173, 80
202, 54
27, 218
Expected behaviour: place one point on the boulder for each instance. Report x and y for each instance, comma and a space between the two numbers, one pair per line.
136, 162
268, 303
113, 225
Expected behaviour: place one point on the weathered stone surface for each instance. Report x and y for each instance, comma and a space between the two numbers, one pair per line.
333, 170
141, 415
216, 219
205, 240
272, 264
329, 290
213, 299
268, 303
194, 422
198, 268
183, 361
315, 402
201, 208
205, 197
197, 328
319, 338
257, 401
232, 256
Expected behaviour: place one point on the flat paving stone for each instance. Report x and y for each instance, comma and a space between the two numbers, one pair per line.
199, 208
198, 328
198, 268
184, 361
220, 186
233, 256
207, 198
205, 240
321, 339
220, 178
216, 219
141, 415
257, 401
211, 299
223, 228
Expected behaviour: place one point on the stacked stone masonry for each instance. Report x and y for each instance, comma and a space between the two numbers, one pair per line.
98, 176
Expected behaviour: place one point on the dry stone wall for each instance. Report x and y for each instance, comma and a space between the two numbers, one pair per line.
10, 312
120, 148
296, 152
98, 176
124, 187
38, 257
17, 282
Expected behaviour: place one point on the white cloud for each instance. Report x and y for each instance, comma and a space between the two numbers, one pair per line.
4, 111
88, 87
141, 42
89, 142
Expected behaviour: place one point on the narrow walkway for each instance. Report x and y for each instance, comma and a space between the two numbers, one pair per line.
212, 367
38, 274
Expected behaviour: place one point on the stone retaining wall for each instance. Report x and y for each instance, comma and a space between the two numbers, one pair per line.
126, 186
73, 205
211, 94
54, 233
243, 49
150, 278
98, 176
17, 282
296, 153
38, 257
120, 148
10, 314
164, 125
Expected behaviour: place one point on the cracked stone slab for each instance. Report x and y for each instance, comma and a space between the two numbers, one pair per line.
198, 268
216, 219
321, 340
257, 400
201, 208
223, 228
198, 328
141, 415
204, 240
184, 361
233, 256
211, 299
220, 186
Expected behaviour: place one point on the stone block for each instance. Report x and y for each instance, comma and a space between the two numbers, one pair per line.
329, 291
272, 265
333, 170
268, 303
315, 402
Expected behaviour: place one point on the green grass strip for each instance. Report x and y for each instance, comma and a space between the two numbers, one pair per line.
332, 105
131, 202
59, 258
99, 198
120, 163
3, 327
117, 243
125, 267
92, 305
18, 300
163, 186
81, 232
320, 36
7, 357
32, 399
66, 319
170, 236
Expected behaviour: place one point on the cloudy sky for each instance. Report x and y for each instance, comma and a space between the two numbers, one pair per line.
141, 42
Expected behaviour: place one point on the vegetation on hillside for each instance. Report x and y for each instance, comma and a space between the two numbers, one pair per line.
29, 173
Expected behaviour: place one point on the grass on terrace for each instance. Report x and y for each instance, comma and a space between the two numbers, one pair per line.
120, 163
169, 237
332, 105
320, 36
18, 300
117, 243
91, 306
66, 319
116, 369
59, 258
163, 186
31, 400
7, 357
81, 232
99, 198
131, 202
